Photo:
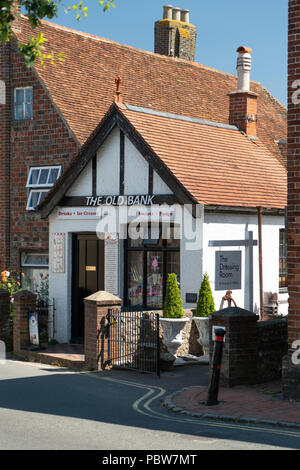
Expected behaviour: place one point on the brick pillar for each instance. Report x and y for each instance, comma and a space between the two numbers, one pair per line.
290, 371
95, 338
24, 302
5, 333
239, 362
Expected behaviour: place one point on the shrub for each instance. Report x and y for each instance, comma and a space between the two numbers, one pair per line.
205, 304
173, 302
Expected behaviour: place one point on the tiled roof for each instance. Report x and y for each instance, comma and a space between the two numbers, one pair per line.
217, 165
83, 85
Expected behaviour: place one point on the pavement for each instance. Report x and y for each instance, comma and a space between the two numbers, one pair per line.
257, 404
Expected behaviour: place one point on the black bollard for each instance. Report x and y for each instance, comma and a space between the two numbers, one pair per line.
213, 391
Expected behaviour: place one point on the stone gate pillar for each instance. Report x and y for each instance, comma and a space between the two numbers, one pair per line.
290, 370
95, 327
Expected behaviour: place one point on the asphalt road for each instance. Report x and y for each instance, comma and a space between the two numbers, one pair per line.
44, 407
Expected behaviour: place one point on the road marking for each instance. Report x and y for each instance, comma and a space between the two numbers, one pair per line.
155, 414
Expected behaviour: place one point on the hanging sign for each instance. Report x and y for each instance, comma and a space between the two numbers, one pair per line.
228, 273
33, 328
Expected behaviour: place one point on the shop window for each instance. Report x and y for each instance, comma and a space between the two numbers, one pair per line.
23, 103
282, 260
35, 267
39, 180
149, 260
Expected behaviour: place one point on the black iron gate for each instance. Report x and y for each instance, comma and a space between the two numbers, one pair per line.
133, 340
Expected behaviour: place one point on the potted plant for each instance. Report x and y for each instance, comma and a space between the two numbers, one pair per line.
173, 320
44, 341
205, 306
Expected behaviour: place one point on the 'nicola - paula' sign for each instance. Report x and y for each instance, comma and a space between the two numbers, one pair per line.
93, 201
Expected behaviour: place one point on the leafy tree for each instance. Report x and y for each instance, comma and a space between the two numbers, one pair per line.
205, 304
36, 10
173, 302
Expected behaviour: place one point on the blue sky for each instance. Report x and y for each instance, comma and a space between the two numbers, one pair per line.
223, 25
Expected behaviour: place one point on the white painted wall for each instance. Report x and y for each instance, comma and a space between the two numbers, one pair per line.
108, 165
236, 227
159, 186
136, 170
83, 186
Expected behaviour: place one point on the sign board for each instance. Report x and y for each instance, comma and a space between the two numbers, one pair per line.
228, 273
58, 252
191, 298
33, 328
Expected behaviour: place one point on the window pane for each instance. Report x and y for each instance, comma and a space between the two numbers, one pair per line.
33, 199
28, 110
173, 240
19, 96
28, 95
19, 112
34, 259
154, 279
43, 176
135, 278
42, 195
173, 263
53, 175
34, 176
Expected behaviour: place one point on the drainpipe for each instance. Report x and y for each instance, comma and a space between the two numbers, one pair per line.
260, 263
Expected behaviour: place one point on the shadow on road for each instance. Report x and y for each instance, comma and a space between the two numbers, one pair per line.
123, 401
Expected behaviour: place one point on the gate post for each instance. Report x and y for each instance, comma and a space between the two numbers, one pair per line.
239, 363
96, 307
24, 302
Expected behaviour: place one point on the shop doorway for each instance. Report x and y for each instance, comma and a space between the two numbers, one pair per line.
88, 277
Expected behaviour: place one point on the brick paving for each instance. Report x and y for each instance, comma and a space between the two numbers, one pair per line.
262, 404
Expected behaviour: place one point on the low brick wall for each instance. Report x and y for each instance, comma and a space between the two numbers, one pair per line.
272, 345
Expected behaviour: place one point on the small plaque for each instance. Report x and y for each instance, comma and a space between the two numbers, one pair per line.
90, 268
191, 298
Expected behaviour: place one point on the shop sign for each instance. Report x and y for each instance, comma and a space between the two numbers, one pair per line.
228, 270
135, 200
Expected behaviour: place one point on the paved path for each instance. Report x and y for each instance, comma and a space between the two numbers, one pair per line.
45, 407
239, 404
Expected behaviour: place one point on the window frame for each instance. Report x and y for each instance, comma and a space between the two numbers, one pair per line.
23, 104
40, 187
146, 248
283, 256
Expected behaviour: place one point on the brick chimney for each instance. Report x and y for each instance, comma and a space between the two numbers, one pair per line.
174, 35
243, 102
16, 11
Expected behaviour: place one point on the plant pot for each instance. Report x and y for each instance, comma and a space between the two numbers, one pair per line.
172, 333
202, 324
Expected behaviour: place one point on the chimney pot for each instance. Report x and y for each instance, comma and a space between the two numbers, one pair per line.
185, 16
176, 14
168, 10
243, 68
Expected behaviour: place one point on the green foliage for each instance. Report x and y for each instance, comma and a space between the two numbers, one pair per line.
205, 304
173, 302
36, 10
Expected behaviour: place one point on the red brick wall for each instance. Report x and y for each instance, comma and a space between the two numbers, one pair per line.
5, 121
44, 140
293, 160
